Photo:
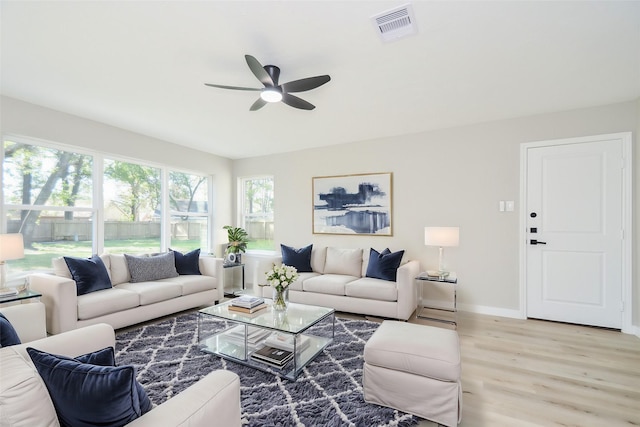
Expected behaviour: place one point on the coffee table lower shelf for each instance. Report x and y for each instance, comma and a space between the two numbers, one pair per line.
220, 346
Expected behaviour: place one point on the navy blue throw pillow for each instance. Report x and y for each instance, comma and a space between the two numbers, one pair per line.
90, 274
384, 265
188, 263
298, 258
8, 335
107, 357
104, 357
88, 395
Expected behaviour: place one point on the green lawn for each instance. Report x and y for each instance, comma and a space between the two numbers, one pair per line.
40, 256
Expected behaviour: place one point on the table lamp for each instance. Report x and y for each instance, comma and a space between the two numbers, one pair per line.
441, 237
11, 247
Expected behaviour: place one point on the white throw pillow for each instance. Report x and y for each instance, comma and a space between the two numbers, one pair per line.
25, 399
344, 261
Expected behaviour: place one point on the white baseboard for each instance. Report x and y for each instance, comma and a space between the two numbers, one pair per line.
491, 311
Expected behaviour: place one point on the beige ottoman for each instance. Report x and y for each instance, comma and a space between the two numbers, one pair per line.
415, 369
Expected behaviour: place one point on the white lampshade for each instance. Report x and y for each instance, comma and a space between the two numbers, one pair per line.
11, 246
441, 236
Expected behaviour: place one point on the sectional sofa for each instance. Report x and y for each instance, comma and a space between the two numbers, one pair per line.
341, 278
25, 399
126, 300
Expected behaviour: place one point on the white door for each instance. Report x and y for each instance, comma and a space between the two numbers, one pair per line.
574, 221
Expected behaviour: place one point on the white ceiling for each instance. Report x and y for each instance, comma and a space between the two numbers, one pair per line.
142, 65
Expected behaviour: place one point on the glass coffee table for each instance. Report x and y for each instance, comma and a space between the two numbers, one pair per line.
282, 343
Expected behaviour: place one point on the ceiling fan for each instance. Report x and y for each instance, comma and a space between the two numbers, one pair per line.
275, 92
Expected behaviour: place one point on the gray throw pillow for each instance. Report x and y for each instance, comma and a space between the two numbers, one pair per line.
145, 269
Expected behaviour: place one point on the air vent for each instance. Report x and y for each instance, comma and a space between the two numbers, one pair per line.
395, 23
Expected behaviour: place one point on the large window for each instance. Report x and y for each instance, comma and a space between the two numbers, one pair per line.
132, 208
48, 198
188, 201
257, 211
54, 197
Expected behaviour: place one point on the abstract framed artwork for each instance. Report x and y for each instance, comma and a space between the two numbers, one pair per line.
353, 204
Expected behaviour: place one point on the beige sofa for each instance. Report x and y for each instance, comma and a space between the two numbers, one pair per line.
339, 281
24, 400
126, 303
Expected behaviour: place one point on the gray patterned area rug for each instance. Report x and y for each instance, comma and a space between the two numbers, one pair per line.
328, 392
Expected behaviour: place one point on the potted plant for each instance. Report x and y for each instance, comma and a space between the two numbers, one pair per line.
238, 240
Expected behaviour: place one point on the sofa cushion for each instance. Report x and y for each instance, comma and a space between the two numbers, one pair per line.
156, 291
187, 263
370, 288
192, 284
422, 350
106, 302
384, 265
89, 395
119, 269
90, 274
297, 285
22, 389
8, 335
333, 284
343, 261
298, 258
318, 259
145, 269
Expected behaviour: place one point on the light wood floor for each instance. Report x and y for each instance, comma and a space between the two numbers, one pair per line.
537, 373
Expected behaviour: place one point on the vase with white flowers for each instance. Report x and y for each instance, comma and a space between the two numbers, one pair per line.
280, 277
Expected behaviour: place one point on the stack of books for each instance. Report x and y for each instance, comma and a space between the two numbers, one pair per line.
247, 304
285, 341
255, 336
8, 292
272, 356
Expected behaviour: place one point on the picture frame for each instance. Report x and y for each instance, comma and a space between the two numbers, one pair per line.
358, 204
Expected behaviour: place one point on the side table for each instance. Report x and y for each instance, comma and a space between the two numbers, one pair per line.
429, 311
21, 297
231, 286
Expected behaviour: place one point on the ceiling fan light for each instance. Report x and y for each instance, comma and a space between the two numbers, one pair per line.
271, 95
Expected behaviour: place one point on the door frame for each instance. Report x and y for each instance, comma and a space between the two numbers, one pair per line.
627, 218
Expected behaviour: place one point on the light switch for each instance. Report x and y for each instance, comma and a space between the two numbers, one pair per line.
510, 205
501, 205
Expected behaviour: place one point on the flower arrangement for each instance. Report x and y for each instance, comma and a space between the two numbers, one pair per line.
280, 277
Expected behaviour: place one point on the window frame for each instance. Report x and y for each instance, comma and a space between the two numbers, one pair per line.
97, 210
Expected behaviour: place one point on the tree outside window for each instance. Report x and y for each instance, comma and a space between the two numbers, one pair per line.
257, 211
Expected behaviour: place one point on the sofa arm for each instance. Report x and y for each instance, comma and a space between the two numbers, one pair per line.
407, 289
214, 400
212, 266
29, 320
60, 298
74, 343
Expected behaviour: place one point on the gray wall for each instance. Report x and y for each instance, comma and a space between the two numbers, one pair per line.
448, 177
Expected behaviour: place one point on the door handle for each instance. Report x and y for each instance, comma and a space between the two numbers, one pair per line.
537, 242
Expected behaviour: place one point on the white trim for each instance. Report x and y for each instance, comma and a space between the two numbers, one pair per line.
627, 219
491, 311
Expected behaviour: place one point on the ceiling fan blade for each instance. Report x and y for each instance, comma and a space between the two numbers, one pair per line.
233, 87
258, 70
305, 84
258, 104
295, 102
